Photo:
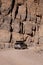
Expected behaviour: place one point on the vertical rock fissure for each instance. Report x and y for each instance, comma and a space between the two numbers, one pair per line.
11, 30
16, 11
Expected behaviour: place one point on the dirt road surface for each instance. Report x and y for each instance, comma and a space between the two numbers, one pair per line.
20, 57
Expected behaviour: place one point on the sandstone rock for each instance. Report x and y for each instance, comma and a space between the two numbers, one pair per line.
28, 27
41, 1
26, 12
20, 37
41, 40
39, 10
5, 22
4, 36
14, 11
16, 25
41, 34
36, 38
29, 4
25, 37
5, 26
20, 1
17, 37
42, 20
1, 20
41, 30
7, 45
6, 8
2, 46
21, 12
38, 20
34, 9
28, 41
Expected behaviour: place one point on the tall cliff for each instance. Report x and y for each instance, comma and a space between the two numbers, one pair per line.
21, 20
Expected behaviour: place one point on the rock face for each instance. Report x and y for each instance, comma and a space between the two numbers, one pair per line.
5, 23
22, 12
16, 25
4, 36
5, 6
21, 20
20, 1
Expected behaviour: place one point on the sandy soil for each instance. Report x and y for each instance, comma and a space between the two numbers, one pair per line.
20, 57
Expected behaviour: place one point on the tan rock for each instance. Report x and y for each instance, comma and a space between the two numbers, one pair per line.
14, 11
17, 37
16, 25
41, 30
28, 41
1, 20
5, 24
2, 46
21, 12
6, 8
4, 36
28, 27
41, 34
20, 1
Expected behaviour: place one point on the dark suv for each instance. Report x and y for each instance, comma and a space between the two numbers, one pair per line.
20, 45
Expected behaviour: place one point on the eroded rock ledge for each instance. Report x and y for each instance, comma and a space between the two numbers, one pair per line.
21, 20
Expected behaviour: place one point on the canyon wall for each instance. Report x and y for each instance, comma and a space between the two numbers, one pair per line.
21, 20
